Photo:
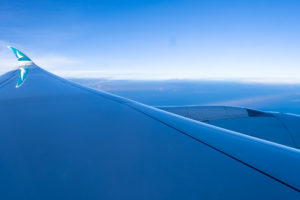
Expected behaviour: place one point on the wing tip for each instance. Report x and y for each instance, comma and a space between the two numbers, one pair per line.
24, 63
19, 54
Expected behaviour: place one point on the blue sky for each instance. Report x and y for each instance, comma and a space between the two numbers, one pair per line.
156, 39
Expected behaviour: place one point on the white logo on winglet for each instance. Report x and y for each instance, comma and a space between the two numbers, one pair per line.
18, 55
22, 73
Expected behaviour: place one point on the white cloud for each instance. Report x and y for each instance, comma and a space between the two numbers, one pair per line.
53, 62
122, 68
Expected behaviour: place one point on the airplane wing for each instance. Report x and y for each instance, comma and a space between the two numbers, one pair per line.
60, 140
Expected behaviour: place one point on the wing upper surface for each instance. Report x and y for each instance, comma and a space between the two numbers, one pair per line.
62, 140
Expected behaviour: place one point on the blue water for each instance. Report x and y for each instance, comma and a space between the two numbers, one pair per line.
268, 97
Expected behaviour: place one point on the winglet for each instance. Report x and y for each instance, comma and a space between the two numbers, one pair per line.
24, 63
23, 60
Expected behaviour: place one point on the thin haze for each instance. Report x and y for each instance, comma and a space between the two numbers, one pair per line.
156, 39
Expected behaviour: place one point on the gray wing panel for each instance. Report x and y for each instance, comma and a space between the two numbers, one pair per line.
264, 125
206, 113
